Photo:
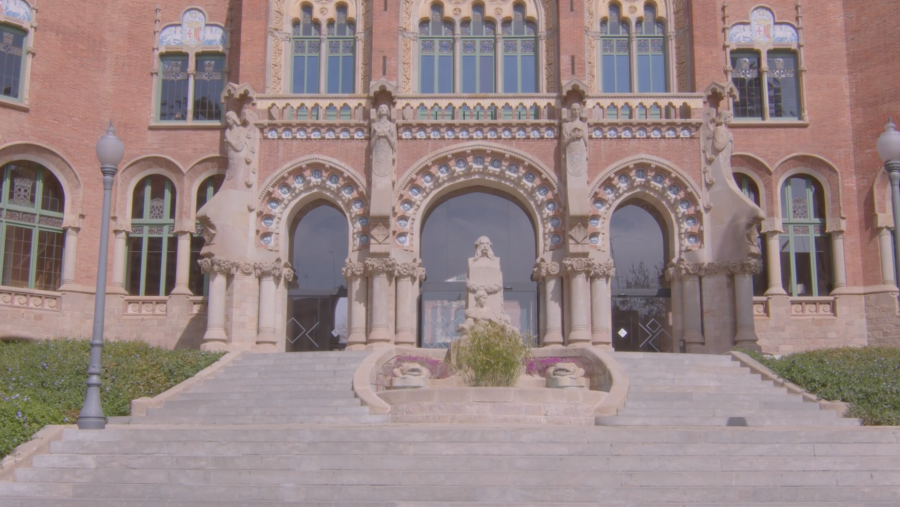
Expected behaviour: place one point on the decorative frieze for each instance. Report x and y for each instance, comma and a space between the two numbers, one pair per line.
747, 267
380, 266
601, 269
544, 269
578, 265
813, 307
353, 270
414, 270
146, 306
30, 299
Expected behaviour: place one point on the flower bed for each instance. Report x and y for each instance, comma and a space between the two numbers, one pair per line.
538, 366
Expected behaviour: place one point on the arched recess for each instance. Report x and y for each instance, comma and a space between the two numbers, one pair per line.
661, 185
543, 12
881, 199
827, 175
133, 172
196, 175
302, 182
475, 165
55, 163
761, 174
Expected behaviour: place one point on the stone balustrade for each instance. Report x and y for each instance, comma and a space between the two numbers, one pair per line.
480, 108
198, 304
813, 307
30, 299
146, 306
313, 108
761, 307
657, 107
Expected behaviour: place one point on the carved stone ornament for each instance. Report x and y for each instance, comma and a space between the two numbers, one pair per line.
578, 265
276, 270
384, 143
242, 146
545, 269
565, 376
574, 136
353, 269
410, 376
600, 269
685, 268
747, 267
413, 270
484, 285
380, 266
217, 265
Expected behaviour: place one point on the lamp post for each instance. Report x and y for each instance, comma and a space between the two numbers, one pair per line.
110, 152
889, 151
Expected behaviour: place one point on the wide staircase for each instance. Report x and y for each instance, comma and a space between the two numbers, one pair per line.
262, 433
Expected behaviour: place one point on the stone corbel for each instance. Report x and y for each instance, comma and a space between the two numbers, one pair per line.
835, 224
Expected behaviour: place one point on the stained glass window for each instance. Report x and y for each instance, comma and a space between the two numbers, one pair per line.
306, 52
436, 53
199, 282
806, 262
31, 219
519, 55
341, 61
746, 79
173, 96
615, 53
12, 61
651, 56
784, 98
208, 83
478, 64
151, 244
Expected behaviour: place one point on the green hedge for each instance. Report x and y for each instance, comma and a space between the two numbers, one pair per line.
43, 382
867, 378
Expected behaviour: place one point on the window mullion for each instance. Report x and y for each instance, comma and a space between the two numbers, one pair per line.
812, 262
145, 239
791, 244
163, 261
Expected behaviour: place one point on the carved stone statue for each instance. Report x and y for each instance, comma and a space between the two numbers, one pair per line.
574, 135
384, 158
410, 376
242, 146
565, 376
484, 287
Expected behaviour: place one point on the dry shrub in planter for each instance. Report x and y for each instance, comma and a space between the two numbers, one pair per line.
491, 356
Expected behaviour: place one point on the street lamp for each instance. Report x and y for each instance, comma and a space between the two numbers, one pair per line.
110, 152
889, 151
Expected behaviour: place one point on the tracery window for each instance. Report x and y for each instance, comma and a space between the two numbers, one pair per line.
151, 243
341, 53
31, 219
307, 48
751, 190
199, 282
746, 79
615, 50
12, 61
436, 53
478, 64
651, 55
519, 44
806, 262
337, 70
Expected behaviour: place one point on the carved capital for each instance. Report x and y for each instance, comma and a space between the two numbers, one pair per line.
380, 266
748, 267
217, 265
267, 269
577, 265
353, 269
684, 268
545, 269
603, 269
413, 270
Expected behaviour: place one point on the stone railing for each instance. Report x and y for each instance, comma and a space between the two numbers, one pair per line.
313, 108
198, 304
146, 306
761, 307
478, 108
643, 108
30, 299
813, 307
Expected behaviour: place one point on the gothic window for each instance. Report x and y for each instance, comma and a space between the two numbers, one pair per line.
478, 65
199, 282
519, 44
615, 50
173, 95
31, 219
746, 78
781, 80
436, 55
651, 55
12, 61
151, 244
341, 51
806, 263
751, 190
306, 44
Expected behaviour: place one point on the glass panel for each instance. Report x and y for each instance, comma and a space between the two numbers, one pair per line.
824, 266
154, 267
609, 74
510, 74
334, 74
658, 71
746, 79
320, 243
782, 82
643, 68
170, 244
22, 184
52, 195
12, 52
478, 20
49, 260
623, 74
486, 72
803, 265
208, 83
786, 271
637, 246
642, 324
208, 189
135, 261
137, 201
518, 20
17, 256
442, 313
521, 306
198, 281
445, 72
173, 97
316, 323
469, 75
428, 78
529, 73
347, 71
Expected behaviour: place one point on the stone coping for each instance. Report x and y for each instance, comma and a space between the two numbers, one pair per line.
609, 382
755, 366
22, 455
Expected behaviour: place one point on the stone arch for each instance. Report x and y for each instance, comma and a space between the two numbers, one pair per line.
657, 182
134, 171
479, 164
197, 174
299, 183
56, 164
824, 172
760, 172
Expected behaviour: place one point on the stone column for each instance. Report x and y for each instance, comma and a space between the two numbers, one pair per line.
773, 256
886, 246
183, 264
70, 256
693, 317
380, 269
219, 270
578, 270
677, 307
551, 275
120, 252
840, 269
357, 301
269, 273
601, 304
407, 275
743, 271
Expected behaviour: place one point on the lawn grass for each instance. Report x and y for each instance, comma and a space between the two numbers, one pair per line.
43, 382
866, 378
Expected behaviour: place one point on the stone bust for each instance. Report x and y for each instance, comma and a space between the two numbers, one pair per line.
574, 134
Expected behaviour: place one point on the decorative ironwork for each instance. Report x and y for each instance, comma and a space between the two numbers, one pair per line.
468, 46
487, 46
8, 47
173, 71
20, 216
780, 71
527, 46
651, 334
445, 46
304, 333
744, 69
656, 45
800, 208
509, 46
50, 221
23, 192
427, 46
209, 72
157, 208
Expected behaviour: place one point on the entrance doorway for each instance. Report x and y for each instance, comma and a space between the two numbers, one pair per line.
641, 297
448, 240
317, 298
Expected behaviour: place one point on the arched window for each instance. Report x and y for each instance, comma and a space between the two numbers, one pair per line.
436, 53
151, 244
199, 282
746, 79
781, 80
615, 53
751, 191
651, 55
307, 48
478, 65
175, 100
31, 218
341, 46
12, 61
519, 48
806, 263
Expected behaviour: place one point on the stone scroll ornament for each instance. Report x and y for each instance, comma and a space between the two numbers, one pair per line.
484, 287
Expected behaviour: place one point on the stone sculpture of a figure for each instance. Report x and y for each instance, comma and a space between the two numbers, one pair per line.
242, 144
574, 134
384, 142
484, 285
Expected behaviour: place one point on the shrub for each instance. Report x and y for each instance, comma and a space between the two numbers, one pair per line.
491, 356
867, 378
43, 382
